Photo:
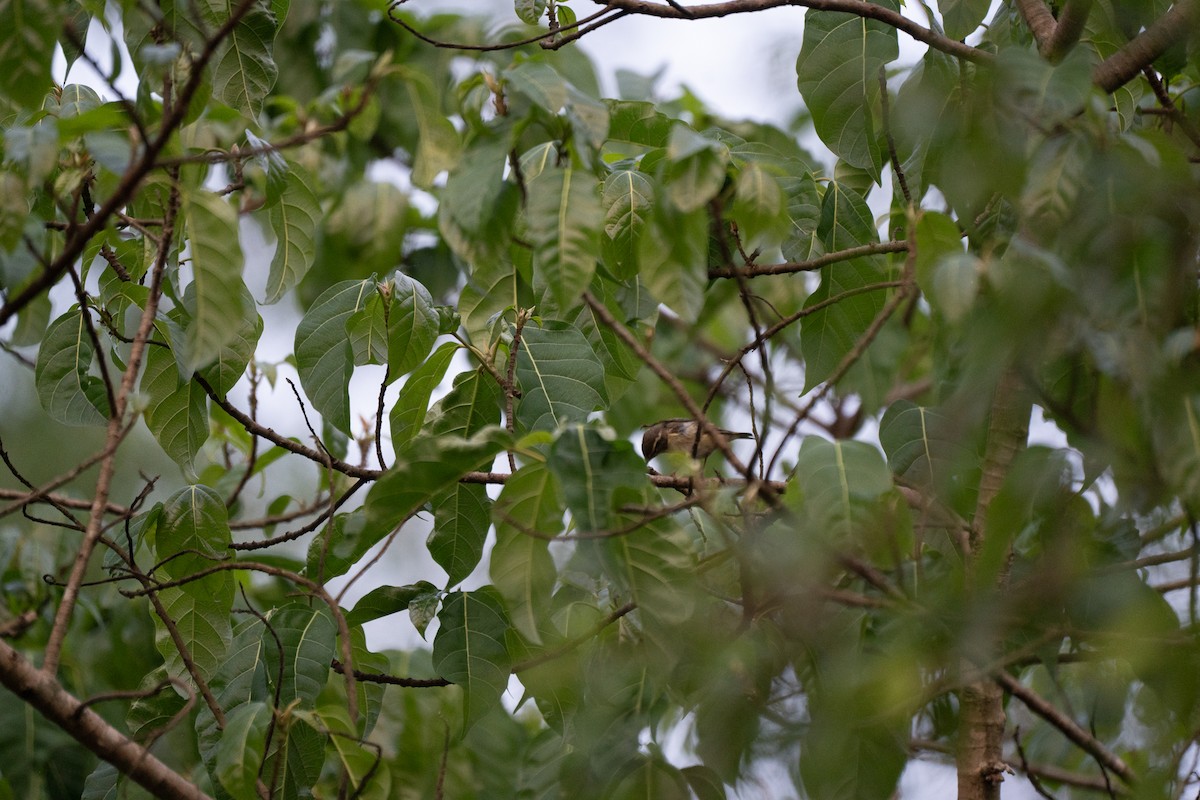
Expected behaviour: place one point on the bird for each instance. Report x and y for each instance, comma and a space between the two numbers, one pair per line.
680, 436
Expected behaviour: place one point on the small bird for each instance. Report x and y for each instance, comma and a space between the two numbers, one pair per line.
680, 436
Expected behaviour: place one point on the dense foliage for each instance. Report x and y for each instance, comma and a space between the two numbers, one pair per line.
523, 273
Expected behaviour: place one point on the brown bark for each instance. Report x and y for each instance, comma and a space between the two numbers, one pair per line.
46, 694
980, 753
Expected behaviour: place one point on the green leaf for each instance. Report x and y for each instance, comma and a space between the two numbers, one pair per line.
628, 200
654, 565
804, 214
367, 329
597, 476
696, 168
838, 76
220, 295
758, 207
241, 751
426, 467
528, 510
539, 83
383, 601
308, 634
461, 518
962, 17
31, 28
324, 357
673, 255
67, 392
193, 531
829, 333
562, 380
439, 145
471, 405
530, 11
177, 413
294, 220
243, 70
408, 413
369, 779
838, 480
412, 325
469, 650
926, 447
564, 229
192, 535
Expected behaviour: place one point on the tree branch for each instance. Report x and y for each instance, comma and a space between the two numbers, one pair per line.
46, 694
1141, 51
1069, 728
859, 8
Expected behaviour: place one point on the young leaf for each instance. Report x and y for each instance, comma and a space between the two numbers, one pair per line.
469, 650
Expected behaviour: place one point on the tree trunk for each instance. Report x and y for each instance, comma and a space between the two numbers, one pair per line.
980, 752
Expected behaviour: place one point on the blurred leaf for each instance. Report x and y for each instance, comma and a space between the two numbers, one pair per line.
696, 169
527, 512
961, 17
832, 331
628, 199
26, 51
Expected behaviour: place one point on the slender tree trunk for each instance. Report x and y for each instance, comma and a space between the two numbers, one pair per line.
980, 753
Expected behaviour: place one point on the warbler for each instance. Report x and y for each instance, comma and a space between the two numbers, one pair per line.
679, 436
